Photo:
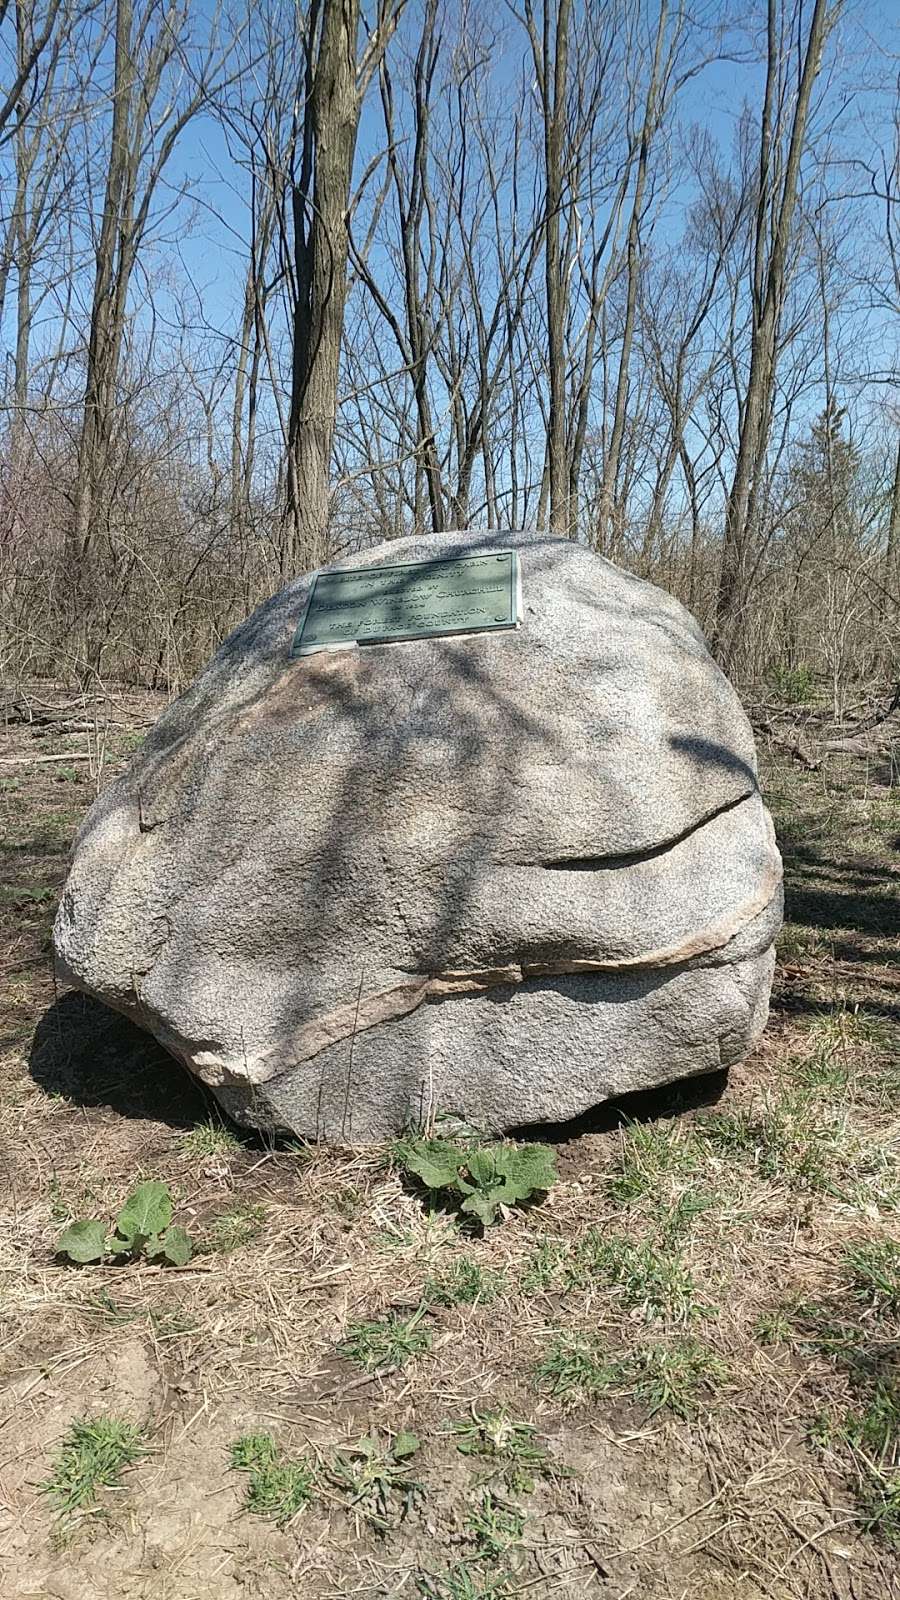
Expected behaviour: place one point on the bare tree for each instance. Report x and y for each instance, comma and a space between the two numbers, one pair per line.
549, 38
335, 80
782, 145
46, 173
156, 90
453, 266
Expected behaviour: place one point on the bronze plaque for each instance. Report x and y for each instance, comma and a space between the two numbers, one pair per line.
412, 600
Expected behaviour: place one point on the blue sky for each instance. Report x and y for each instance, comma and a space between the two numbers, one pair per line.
207, 237
211, 251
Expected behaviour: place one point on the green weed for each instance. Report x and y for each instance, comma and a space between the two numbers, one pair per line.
494, 1525
874, 1272
822, 1072
143, 1227
793, 685
660, 1376
648, 1156
209, 1139
673, 1376
349, 1202
482, 1181
792, 1139
773, 1327
374, 1478
234, 1228
543, 1266
389, 1343
577, 1368
93, 1455
462, 1582
795, 941
654, 1282
847, 1028
276, 1486
510, 1446
12, 894
871, 1428
464, 1282
879, 1494
876, 1428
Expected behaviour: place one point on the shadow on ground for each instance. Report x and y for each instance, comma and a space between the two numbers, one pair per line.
92, 1056
644, 1105
826, 907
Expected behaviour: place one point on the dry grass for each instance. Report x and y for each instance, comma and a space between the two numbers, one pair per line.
719, 1254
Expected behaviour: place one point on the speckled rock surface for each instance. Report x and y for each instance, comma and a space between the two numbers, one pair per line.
503, 876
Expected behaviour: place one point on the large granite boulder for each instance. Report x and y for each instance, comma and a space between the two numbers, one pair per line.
504, 876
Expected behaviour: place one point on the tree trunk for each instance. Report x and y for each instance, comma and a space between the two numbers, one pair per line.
321, 252
107, 329
633, 257
773, 238
551, 64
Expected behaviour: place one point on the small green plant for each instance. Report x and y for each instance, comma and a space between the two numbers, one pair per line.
277, 1487
773, 1327
509, 1446
823, 1072
462, 1582
388, 1343
823, 1430
794, 686
463, 1282
22, 895
577, 1368
794, 1139
374, 1478
348, 1202
93, 1456
494, 1524
143, 1227
673, 1376
876, 1429
796, 942
879, 1495
484, 1181
209, 1139
660, 1376
648, 1155
874, 1271
234, 1228
543, 1266
654, 1282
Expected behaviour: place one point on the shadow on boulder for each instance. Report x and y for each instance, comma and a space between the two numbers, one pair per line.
92, 1056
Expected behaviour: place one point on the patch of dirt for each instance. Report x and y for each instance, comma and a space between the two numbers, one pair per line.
735, 1204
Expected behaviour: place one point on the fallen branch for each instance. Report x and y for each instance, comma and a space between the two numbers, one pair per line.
35, 761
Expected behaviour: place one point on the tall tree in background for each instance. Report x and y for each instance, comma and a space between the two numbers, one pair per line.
549, 38
782, 145
155, 94
335, 81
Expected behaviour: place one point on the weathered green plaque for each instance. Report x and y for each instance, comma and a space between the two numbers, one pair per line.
412, 600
